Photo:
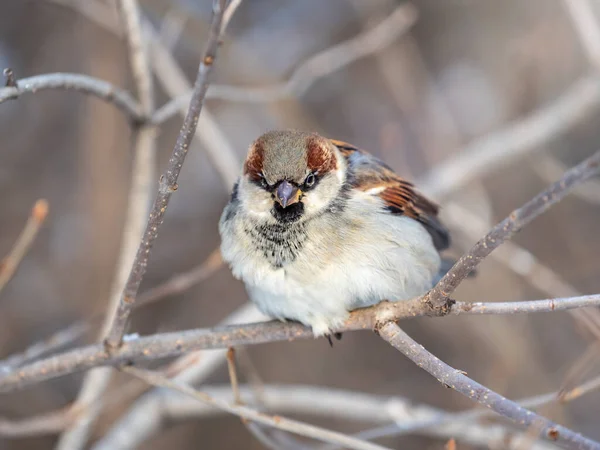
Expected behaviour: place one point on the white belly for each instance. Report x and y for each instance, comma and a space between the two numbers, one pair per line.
359, 264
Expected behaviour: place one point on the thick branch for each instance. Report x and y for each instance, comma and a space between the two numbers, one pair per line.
168, 182
166, 345
438, 296
456, 380
76, 82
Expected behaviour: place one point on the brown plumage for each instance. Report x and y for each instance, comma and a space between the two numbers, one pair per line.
367, 172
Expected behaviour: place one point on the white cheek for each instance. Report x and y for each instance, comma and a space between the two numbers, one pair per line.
255, 201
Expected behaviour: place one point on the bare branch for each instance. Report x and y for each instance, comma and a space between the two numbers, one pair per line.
11, 262
174, 81
279, 422
456, 380
549, 169
318, 66
228, 14
80, 83
168, 183
177, 284
56, 341
586, 25
140, 66
438, 296
166, 345
525, 135
49, 423
334, 403
96, 382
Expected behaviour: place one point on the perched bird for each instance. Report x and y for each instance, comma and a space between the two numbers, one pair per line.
317, 227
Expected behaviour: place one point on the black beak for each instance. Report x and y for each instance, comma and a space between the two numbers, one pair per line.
287, 194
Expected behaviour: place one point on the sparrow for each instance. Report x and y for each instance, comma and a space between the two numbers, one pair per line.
317, 227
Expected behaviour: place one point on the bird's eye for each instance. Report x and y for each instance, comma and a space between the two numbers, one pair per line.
310, 180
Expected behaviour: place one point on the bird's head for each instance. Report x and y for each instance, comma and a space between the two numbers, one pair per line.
291, 175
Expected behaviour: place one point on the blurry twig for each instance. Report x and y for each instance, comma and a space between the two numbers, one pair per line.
96, 382
11, 262
77, 82
550, 168
407, 425
95, 11
319, 65
586, 25
525, 135
437, 297
177, 284
456, 380
168, 184
283, 423
49, 423
228, 14
174, 81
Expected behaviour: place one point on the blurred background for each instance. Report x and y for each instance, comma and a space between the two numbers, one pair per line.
460, 79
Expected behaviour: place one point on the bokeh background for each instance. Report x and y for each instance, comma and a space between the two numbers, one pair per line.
465, 71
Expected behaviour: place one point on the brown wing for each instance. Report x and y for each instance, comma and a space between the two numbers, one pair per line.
367, 172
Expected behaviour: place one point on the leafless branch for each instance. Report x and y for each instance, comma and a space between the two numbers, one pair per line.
352, 406
550, 168
80, 83
96, 382
586, 25
438, 296
318, 66
50, 423
177, 284
11, 262
166, 345
228, 14
168, 182
208, 133
55, 342
456, 380
523, 136
414, 424
279, 422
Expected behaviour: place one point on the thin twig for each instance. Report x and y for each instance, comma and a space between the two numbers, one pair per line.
164, 345
53, 343
414, 424
49, 423
437, 298
523, 136
167, 184
333, 403
182, 282
228, 14
96, 382
80, 83
550, 168
177, 284
174, 81
586, 25
279, 422
316, 67
10, 263
456, 380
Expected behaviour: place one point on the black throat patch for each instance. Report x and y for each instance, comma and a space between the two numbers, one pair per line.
279, 243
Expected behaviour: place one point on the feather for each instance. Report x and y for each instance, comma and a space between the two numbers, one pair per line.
369, 174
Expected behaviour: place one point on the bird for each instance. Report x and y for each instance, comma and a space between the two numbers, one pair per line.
316, 228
